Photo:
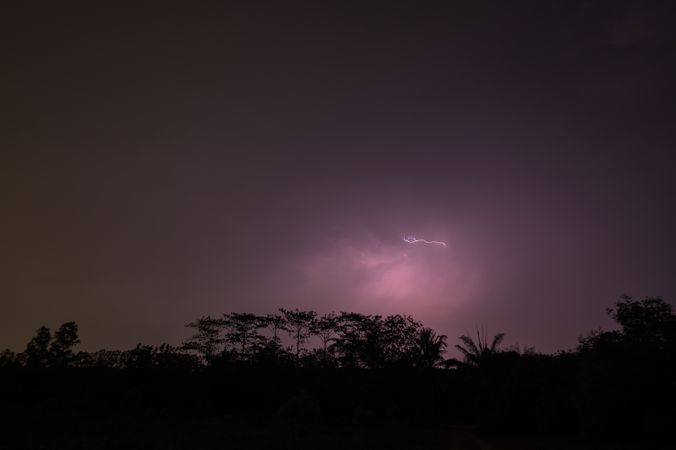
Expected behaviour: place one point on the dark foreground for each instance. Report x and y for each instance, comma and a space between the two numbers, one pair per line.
161, 431
377, 385
319, 409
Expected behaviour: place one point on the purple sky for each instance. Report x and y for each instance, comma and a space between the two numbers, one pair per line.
160, 164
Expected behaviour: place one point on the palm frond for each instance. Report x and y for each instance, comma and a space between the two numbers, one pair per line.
463, 350
497, 340
469, 343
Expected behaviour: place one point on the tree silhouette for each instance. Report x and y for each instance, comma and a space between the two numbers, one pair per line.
477, 353
8, 359
277, 323
647, 321
399, 339
325, 328
63, 341
430, 348
373, 341
241, 331
207, 340
47, 350
299, 326
351, 342
37, 352
646, 325
616, 380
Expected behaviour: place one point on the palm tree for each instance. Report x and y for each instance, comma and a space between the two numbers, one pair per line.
430, 348
477, 353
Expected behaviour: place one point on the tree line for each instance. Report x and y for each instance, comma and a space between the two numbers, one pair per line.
296, 338
349, 366
347, 340
344, 340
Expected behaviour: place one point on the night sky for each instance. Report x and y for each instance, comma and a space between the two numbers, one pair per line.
162, 163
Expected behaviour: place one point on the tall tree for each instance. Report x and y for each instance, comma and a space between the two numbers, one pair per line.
241, 332
325, 327
299, 326
373, 341
360, 341
400, 335
207, 340
37, 350
277, 323
63, 341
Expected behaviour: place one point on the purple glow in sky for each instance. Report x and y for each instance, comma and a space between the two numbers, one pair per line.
386, 277
161, 165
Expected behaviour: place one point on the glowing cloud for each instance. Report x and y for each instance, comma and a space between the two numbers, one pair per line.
413, 240
366, 274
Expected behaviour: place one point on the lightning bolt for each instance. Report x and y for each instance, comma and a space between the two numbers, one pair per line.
413, 240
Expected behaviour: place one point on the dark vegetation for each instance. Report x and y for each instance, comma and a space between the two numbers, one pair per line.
300, 380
